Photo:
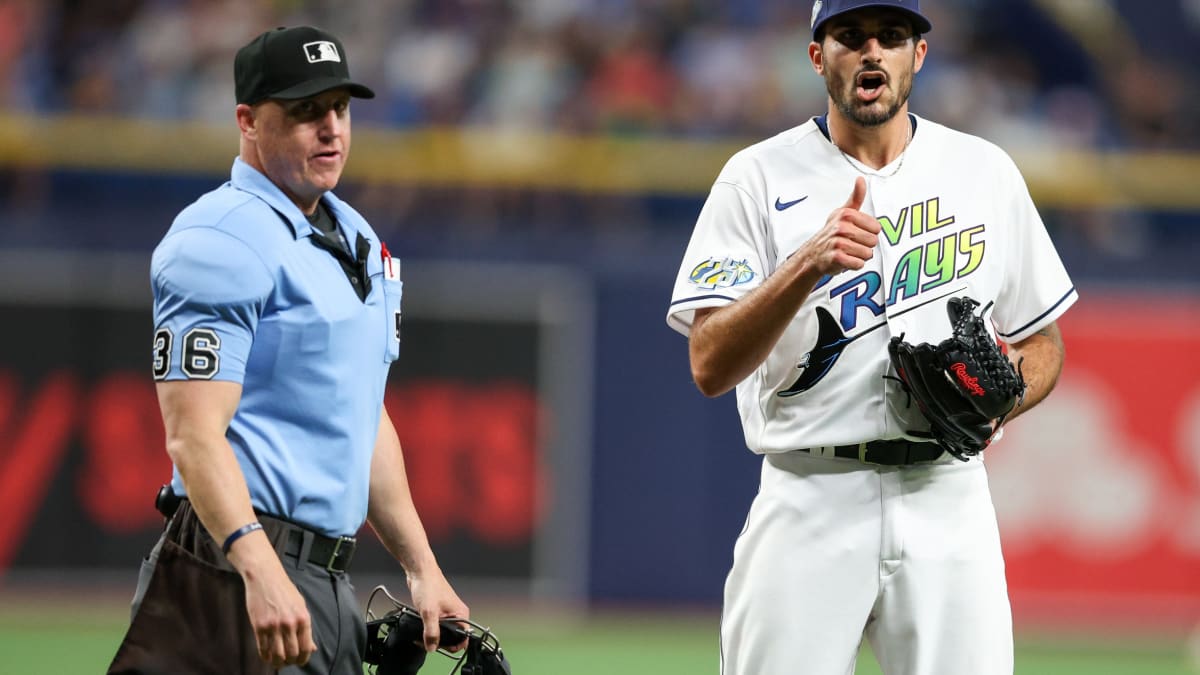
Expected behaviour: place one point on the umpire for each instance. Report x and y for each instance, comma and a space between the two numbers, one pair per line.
276, 311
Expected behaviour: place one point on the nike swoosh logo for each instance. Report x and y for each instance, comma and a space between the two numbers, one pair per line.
783, 206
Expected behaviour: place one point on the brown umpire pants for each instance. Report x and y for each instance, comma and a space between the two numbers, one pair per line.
189, 615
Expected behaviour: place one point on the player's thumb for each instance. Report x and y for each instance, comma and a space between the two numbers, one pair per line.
858, 195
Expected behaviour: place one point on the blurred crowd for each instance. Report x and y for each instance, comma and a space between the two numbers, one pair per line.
1020, 72
1041, 75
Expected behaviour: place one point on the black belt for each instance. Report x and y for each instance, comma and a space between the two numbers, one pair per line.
897, 452
332, 553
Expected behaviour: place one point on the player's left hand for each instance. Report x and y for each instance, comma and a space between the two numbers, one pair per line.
433, 597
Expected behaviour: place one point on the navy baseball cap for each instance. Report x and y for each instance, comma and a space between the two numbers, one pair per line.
824, 10
290, 63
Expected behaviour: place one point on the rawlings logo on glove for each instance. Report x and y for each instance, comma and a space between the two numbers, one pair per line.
963, 384
970, 383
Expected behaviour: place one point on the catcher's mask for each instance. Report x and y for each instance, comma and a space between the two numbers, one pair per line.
394, 642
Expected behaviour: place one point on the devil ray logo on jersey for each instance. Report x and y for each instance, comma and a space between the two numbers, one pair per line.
816, 364
721, 273
831, 342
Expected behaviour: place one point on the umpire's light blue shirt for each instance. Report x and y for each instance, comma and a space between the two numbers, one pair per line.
242, 294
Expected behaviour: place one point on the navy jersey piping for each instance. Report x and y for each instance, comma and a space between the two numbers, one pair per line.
703, 297
1043, 314
822, 123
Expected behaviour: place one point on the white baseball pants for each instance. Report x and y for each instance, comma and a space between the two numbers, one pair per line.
835, 550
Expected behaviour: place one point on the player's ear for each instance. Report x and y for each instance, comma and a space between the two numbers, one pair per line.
817, 57
919, 54
247, 121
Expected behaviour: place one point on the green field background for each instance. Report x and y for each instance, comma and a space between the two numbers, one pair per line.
68, 637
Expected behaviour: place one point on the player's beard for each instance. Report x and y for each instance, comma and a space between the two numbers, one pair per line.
841, 92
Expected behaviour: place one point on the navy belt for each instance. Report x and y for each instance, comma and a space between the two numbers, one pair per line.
332, 553
897, 452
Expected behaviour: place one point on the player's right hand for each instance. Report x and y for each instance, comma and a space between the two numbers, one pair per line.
848, 239
278, 614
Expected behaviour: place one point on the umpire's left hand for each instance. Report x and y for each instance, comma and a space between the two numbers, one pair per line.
434, 598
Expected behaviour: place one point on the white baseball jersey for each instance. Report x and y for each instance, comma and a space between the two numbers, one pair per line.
957, 220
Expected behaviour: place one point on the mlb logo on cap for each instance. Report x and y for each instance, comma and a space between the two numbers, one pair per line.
322, 50
292, 63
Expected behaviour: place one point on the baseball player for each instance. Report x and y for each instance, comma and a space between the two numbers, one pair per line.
815, 248
276, 318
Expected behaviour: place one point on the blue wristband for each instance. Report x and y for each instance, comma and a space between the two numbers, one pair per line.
238, 534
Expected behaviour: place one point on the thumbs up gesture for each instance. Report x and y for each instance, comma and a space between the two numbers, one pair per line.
848, 239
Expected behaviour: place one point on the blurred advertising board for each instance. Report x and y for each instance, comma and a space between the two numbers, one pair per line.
1098, 489
491, 422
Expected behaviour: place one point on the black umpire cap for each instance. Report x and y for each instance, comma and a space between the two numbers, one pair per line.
290, 63
824, 10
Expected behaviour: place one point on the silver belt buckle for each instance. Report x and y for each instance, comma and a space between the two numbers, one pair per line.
862, 453
337, 549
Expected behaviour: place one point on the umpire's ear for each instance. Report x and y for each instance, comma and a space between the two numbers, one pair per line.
247, 121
